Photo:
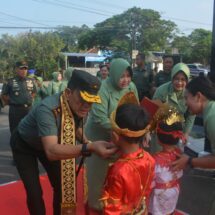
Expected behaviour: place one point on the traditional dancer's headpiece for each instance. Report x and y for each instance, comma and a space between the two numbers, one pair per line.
128, 98
160, 113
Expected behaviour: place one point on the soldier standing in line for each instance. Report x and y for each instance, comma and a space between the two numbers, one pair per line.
18, 93
142, 78
164, 76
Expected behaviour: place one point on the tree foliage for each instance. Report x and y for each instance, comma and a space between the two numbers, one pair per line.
70, 36
136, 28
195, 47
40, 50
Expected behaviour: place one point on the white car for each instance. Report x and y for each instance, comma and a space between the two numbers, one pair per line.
196, 69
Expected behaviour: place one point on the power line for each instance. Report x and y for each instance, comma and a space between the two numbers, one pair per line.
188, 21
82, 6
107, 4
26, 27
72, 7
23, 19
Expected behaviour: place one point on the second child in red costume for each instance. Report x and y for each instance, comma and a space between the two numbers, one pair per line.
166, 184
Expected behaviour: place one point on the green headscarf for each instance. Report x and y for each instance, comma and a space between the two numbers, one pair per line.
180, 67
55, 76
117, 68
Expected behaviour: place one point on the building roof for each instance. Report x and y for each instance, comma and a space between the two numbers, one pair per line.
74, 54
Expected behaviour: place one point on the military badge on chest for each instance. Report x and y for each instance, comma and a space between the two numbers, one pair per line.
29, 85
15, 87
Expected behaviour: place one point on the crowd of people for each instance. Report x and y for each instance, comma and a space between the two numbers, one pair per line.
128, 172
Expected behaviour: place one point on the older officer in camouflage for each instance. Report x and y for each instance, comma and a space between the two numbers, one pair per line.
18, 93
48, 133
142, 78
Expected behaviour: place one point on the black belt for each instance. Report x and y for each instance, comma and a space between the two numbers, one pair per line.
20, 105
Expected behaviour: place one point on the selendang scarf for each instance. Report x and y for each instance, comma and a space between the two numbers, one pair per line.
68, 174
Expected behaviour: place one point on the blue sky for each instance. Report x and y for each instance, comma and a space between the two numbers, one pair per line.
187, 14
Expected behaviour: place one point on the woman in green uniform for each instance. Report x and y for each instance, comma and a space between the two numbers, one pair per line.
41, 90
98, 125
54, 85
173, 93
200, 99
67, 75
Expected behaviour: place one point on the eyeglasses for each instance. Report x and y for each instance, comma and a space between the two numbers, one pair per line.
180, 80
23, 68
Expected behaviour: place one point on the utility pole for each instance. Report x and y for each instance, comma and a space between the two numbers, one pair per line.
133, 35
212, 67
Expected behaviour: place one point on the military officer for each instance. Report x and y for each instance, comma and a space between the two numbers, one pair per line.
164, 76
48, 133
142, 78
18, 93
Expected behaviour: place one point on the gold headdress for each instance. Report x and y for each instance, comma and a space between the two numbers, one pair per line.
165, 112
169, 115
128, 98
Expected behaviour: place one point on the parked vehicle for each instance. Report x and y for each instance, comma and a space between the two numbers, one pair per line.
196, 69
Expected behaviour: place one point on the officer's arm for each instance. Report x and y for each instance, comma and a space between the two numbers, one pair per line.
56, 151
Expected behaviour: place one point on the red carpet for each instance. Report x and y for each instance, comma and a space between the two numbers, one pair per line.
13, 198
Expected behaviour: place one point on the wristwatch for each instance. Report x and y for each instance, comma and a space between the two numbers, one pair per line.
84, 151
190, 162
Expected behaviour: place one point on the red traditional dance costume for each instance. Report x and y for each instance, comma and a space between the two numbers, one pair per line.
165, 194
128, 184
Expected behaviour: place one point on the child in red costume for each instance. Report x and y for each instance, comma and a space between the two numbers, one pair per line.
128, 183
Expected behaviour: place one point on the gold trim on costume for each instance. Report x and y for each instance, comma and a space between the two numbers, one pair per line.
141, 207
68, 174
90, 98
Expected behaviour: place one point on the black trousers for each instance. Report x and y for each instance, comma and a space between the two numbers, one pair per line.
26, 159
16, 113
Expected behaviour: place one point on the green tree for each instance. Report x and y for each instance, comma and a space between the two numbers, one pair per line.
70, 36
136, 28
41, 50
195, 47
182, 43
201, 41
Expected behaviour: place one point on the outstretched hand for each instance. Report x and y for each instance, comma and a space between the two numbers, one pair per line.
103, 148
180, 163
